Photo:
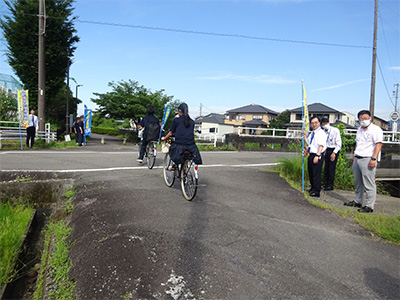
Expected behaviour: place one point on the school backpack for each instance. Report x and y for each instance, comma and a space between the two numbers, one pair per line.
152, 130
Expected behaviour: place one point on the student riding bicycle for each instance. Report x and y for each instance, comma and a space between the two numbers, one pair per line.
182, 128
151, 131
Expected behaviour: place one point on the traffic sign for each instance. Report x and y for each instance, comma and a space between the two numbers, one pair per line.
394, 116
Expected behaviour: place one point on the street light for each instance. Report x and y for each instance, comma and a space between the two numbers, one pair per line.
76, 94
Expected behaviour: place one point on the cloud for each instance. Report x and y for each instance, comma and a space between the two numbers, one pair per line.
269, 79
395, 68
340, 85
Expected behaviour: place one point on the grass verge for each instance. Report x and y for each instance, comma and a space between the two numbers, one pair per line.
13, 222
387, 227
39, 144
56, 263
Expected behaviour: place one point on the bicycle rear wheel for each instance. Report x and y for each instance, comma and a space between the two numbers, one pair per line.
151, 159
188, 180
169, 174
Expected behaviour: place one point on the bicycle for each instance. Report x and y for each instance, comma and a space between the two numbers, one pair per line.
151, 154
187, 172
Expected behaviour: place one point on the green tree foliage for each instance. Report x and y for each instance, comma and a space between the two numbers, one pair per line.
8, 106
21, 32
129, 99
280, 120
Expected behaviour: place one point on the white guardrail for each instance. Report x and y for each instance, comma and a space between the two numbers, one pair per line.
388, 136
13, 133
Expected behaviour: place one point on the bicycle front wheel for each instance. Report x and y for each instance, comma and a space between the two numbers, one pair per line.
151, 158
188, 180
169, 174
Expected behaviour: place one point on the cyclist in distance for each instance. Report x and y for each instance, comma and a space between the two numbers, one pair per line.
151, 130
182, 128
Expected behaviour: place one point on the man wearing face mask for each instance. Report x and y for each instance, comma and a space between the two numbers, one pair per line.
368, 145
333, 144
316, 141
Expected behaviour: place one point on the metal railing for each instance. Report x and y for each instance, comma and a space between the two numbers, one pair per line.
202, 139
388, 136
15, 133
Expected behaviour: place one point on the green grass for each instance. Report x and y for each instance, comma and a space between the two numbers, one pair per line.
212, 148
69, 193
58, 262
13, 222
39, 144
384, 226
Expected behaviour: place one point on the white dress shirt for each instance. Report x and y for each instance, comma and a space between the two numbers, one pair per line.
366, 140
319, 139
33, 121
334, 140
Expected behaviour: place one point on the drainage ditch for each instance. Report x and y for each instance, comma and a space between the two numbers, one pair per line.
45, 192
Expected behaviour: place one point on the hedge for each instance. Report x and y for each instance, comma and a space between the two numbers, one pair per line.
102, 130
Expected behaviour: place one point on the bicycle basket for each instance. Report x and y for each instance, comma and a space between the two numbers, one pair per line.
165, 148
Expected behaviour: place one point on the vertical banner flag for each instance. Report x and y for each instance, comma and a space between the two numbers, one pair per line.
305, 127
23, 107
88, 121
167, 112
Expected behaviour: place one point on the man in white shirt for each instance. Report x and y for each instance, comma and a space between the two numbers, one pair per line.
31, 129
333, 145
368, 145
316, 141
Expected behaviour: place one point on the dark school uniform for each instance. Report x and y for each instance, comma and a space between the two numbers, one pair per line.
184, 141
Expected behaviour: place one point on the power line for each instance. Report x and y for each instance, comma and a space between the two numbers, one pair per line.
384, 81
231, 35
387, 47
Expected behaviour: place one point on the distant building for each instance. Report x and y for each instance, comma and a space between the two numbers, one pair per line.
212, 124
316, 109
381, 123
252, 115
348, 118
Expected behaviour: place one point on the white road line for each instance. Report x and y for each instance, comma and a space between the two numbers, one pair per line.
136, 168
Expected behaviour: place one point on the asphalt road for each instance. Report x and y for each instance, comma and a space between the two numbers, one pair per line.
246, 235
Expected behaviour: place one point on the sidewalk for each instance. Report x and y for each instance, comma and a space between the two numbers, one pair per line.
386, 205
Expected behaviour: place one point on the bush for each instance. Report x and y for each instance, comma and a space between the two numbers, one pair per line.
103, 130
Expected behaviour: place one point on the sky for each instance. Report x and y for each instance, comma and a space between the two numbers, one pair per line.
223, 54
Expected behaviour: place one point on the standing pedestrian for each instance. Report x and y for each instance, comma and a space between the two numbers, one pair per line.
83, 130
316, 141
368, 146
333, 146
31, 129
78, 131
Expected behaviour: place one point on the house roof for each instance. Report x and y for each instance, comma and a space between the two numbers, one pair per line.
211, 118
251, 109
317, 108
300, 124
255, 123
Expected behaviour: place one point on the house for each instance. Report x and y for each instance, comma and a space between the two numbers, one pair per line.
381, 123
212, 124
348, 118
252, 115
316, 109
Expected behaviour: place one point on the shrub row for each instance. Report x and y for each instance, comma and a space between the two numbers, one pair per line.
103, 130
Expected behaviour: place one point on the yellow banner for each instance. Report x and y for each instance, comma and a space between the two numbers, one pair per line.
23, 107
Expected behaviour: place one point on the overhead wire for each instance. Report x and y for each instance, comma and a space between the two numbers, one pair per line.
384, 81
186, 31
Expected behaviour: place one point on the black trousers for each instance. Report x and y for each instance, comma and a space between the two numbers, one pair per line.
314, 172
30, 136
330, 168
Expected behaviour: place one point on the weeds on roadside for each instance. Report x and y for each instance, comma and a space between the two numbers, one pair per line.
13, 222
57, 263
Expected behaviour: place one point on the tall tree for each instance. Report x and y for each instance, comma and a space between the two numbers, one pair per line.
129, 99
21, 32
8, 106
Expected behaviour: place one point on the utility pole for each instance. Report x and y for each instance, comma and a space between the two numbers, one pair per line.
67, 96
396, 95
373, 76
201, 106
41, 66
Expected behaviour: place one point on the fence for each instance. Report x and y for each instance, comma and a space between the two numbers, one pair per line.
207, 139
13, 133
388, 136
